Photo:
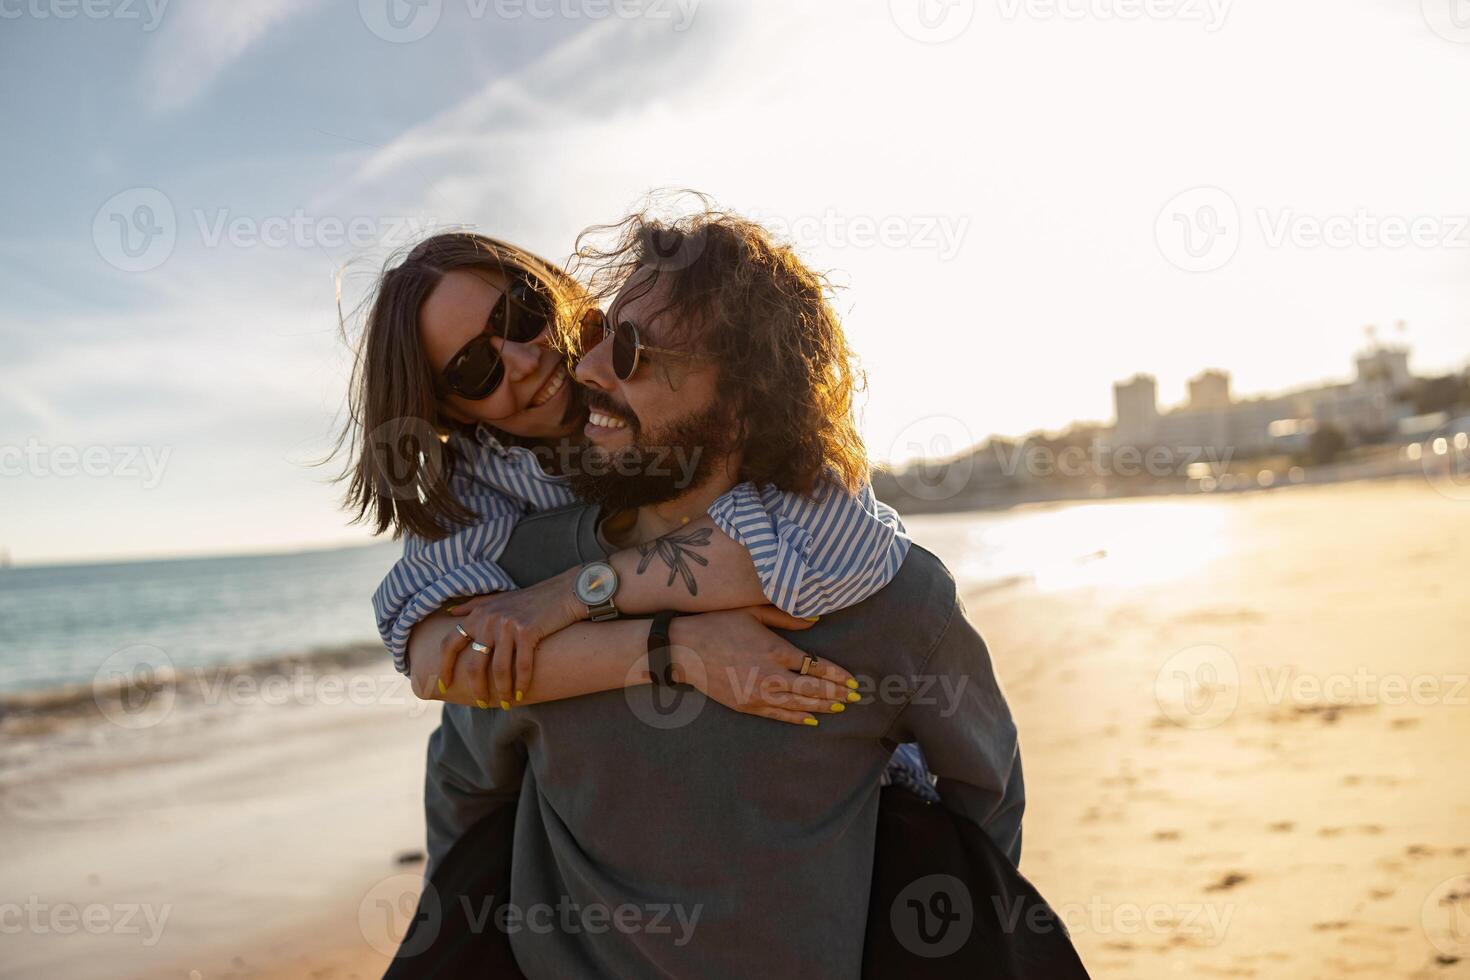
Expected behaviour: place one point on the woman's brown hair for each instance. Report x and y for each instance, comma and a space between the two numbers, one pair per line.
403, 448
764, 317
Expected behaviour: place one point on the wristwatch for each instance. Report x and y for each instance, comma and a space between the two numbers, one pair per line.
595, 587
660, 652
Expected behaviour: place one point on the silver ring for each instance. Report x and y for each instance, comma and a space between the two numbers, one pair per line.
459, 628
479, 647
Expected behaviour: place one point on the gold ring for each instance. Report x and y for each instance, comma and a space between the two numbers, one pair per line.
807, 663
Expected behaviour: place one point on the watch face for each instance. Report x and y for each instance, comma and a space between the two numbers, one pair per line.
596, 583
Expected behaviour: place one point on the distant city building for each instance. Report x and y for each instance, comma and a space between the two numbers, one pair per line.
1389, 365
1210, 390
1367, 408
1136, 402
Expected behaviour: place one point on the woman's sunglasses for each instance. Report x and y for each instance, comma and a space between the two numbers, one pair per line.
627, 348
520, 315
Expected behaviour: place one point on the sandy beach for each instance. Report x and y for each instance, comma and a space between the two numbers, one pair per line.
1244, 721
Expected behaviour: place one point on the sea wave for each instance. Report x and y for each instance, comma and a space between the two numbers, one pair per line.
110, 695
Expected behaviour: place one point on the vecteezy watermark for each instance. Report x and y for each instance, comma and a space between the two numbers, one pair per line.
139, 686
219, 226
1204, 923
408, 456
42, 918
1097, 459
939, 461
667, 707
566, 917
148, 12
1450, 19
1201, 230
45, 461
933, 916
767, 689
1198, 687
1198, 230
932, 21
403, 914
1362, 229
1445, 458
137, 230
942, 234
1288, 685
394, 906
1445, 916
678, 463
134, 686
406, 21
1201, 687
299, 684
1210, 13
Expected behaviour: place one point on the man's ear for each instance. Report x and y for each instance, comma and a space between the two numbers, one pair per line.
742, 429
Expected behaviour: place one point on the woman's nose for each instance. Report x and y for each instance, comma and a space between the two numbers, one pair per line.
521, 360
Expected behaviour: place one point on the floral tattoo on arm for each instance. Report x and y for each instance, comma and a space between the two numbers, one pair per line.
677, 551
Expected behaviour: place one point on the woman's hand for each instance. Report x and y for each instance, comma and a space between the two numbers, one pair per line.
510, 625
735, 659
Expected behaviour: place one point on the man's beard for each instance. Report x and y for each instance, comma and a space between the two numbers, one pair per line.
656, 467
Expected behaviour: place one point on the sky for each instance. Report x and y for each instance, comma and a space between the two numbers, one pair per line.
1021, 201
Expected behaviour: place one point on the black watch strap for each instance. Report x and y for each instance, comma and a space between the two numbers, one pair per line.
660, 656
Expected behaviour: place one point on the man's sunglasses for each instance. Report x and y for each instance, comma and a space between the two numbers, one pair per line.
520, 315
627, 348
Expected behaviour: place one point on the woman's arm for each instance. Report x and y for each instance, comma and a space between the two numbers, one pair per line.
498, 485
808, 555
432, 572
731, 656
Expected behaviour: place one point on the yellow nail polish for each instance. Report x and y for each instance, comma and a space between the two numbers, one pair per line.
453, 610
811, 619
809, 721
854, 697
838, 706
482, 704
505, 705
519, 695
442, 688
852, 683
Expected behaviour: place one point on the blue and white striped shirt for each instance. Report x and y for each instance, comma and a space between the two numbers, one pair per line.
813, 555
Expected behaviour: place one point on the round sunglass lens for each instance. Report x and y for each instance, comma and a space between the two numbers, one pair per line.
528, 311
592, 332
478, 371
625, 351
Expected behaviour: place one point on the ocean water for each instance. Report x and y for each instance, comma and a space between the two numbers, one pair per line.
59, 625
65, 626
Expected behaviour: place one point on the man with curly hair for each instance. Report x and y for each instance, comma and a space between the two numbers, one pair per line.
653, 838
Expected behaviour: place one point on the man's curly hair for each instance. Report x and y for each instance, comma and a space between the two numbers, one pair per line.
763, 317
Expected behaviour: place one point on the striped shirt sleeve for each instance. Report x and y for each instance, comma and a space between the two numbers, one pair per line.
818, 554
501, 486
432, 572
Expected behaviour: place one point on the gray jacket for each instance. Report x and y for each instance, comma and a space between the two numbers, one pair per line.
666, 836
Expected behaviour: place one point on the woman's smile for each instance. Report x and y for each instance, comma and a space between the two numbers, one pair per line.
550, 388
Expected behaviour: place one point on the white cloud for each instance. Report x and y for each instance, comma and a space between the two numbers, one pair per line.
200, 39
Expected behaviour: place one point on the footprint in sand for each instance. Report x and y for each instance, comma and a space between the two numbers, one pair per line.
1228, 882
